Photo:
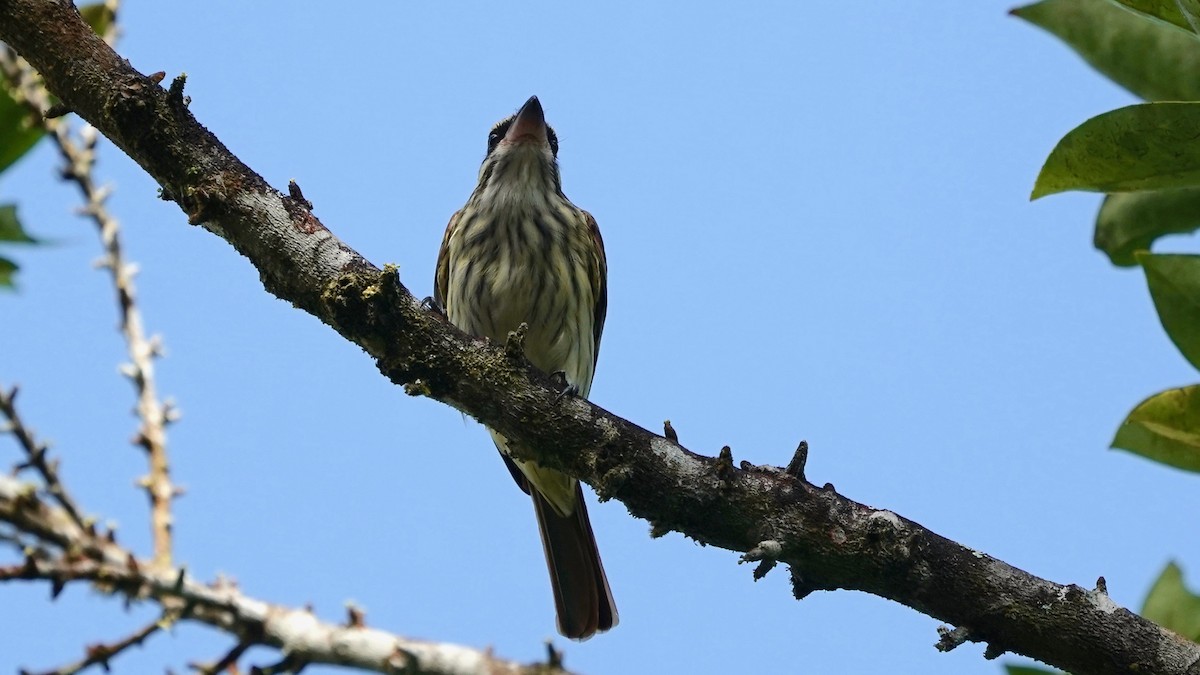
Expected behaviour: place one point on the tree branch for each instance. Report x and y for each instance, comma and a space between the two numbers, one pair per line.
79, 157
36, 451
829, 541
298, 633
100, 654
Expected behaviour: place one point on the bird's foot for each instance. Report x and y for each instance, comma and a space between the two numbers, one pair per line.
566, 388
434, 306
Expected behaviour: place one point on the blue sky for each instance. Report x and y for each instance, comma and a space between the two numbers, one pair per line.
818, 227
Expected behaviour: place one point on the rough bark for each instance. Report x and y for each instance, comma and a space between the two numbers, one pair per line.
829, 541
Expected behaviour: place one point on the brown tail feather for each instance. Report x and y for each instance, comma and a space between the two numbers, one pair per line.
581, 594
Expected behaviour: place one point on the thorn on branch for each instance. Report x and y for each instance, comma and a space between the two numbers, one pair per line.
298, 196
766, 553
100, 654
389, 280
949, 638
226, 662
724, 466
554, 658
355, 616
175, 92
514, 346
417, 387
56, 587
669, 432
993, 651
289, 664
57, 110
171, 412
658, 530
799, 460
801, 589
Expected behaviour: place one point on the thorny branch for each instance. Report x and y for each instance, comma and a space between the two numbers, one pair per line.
36, 452
80, 556
78, 152
827, 540
100, 654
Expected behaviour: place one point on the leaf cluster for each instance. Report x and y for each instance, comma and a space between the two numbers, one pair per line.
1146, 159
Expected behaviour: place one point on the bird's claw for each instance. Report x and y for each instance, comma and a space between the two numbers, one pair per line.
567, 388
430, 304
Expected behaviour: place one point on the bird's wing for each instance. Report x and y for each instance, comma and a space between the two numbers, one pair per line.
441, 279
599, 278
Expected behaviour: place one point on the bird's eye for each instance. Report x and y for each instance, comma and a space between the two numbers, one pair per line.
497, 133
553, 137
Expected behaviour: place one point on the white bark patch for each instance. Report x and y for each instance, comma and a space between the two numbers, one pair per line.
887, 516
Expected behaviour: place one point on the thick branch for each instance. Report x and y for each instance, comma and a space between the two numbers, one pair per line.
829, 541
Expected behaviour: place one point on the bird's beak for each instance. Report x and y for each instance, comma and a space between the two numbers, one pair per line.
530, 123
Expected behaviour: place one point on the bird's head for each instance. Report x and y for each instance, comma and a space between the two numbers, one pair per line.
522, 152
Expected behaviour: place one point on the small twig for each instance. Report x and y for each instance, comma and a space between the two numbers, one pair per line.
230, 659
88, 558
949, 638
100, 654
36, 452
766, 554
289, 664
79, 156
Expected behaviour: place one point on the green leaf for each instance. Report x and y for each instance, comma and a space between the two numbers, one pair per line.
1171, 605
17, 134
1105, 35
1190, 9
1163, 10
1131, 221
10, 226
1174, 282
1028, 670
7, 269
98, 16
1148, 146
1165, 428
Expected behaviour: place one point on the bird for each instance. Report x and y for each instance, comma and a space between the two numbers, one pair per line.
519, 252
